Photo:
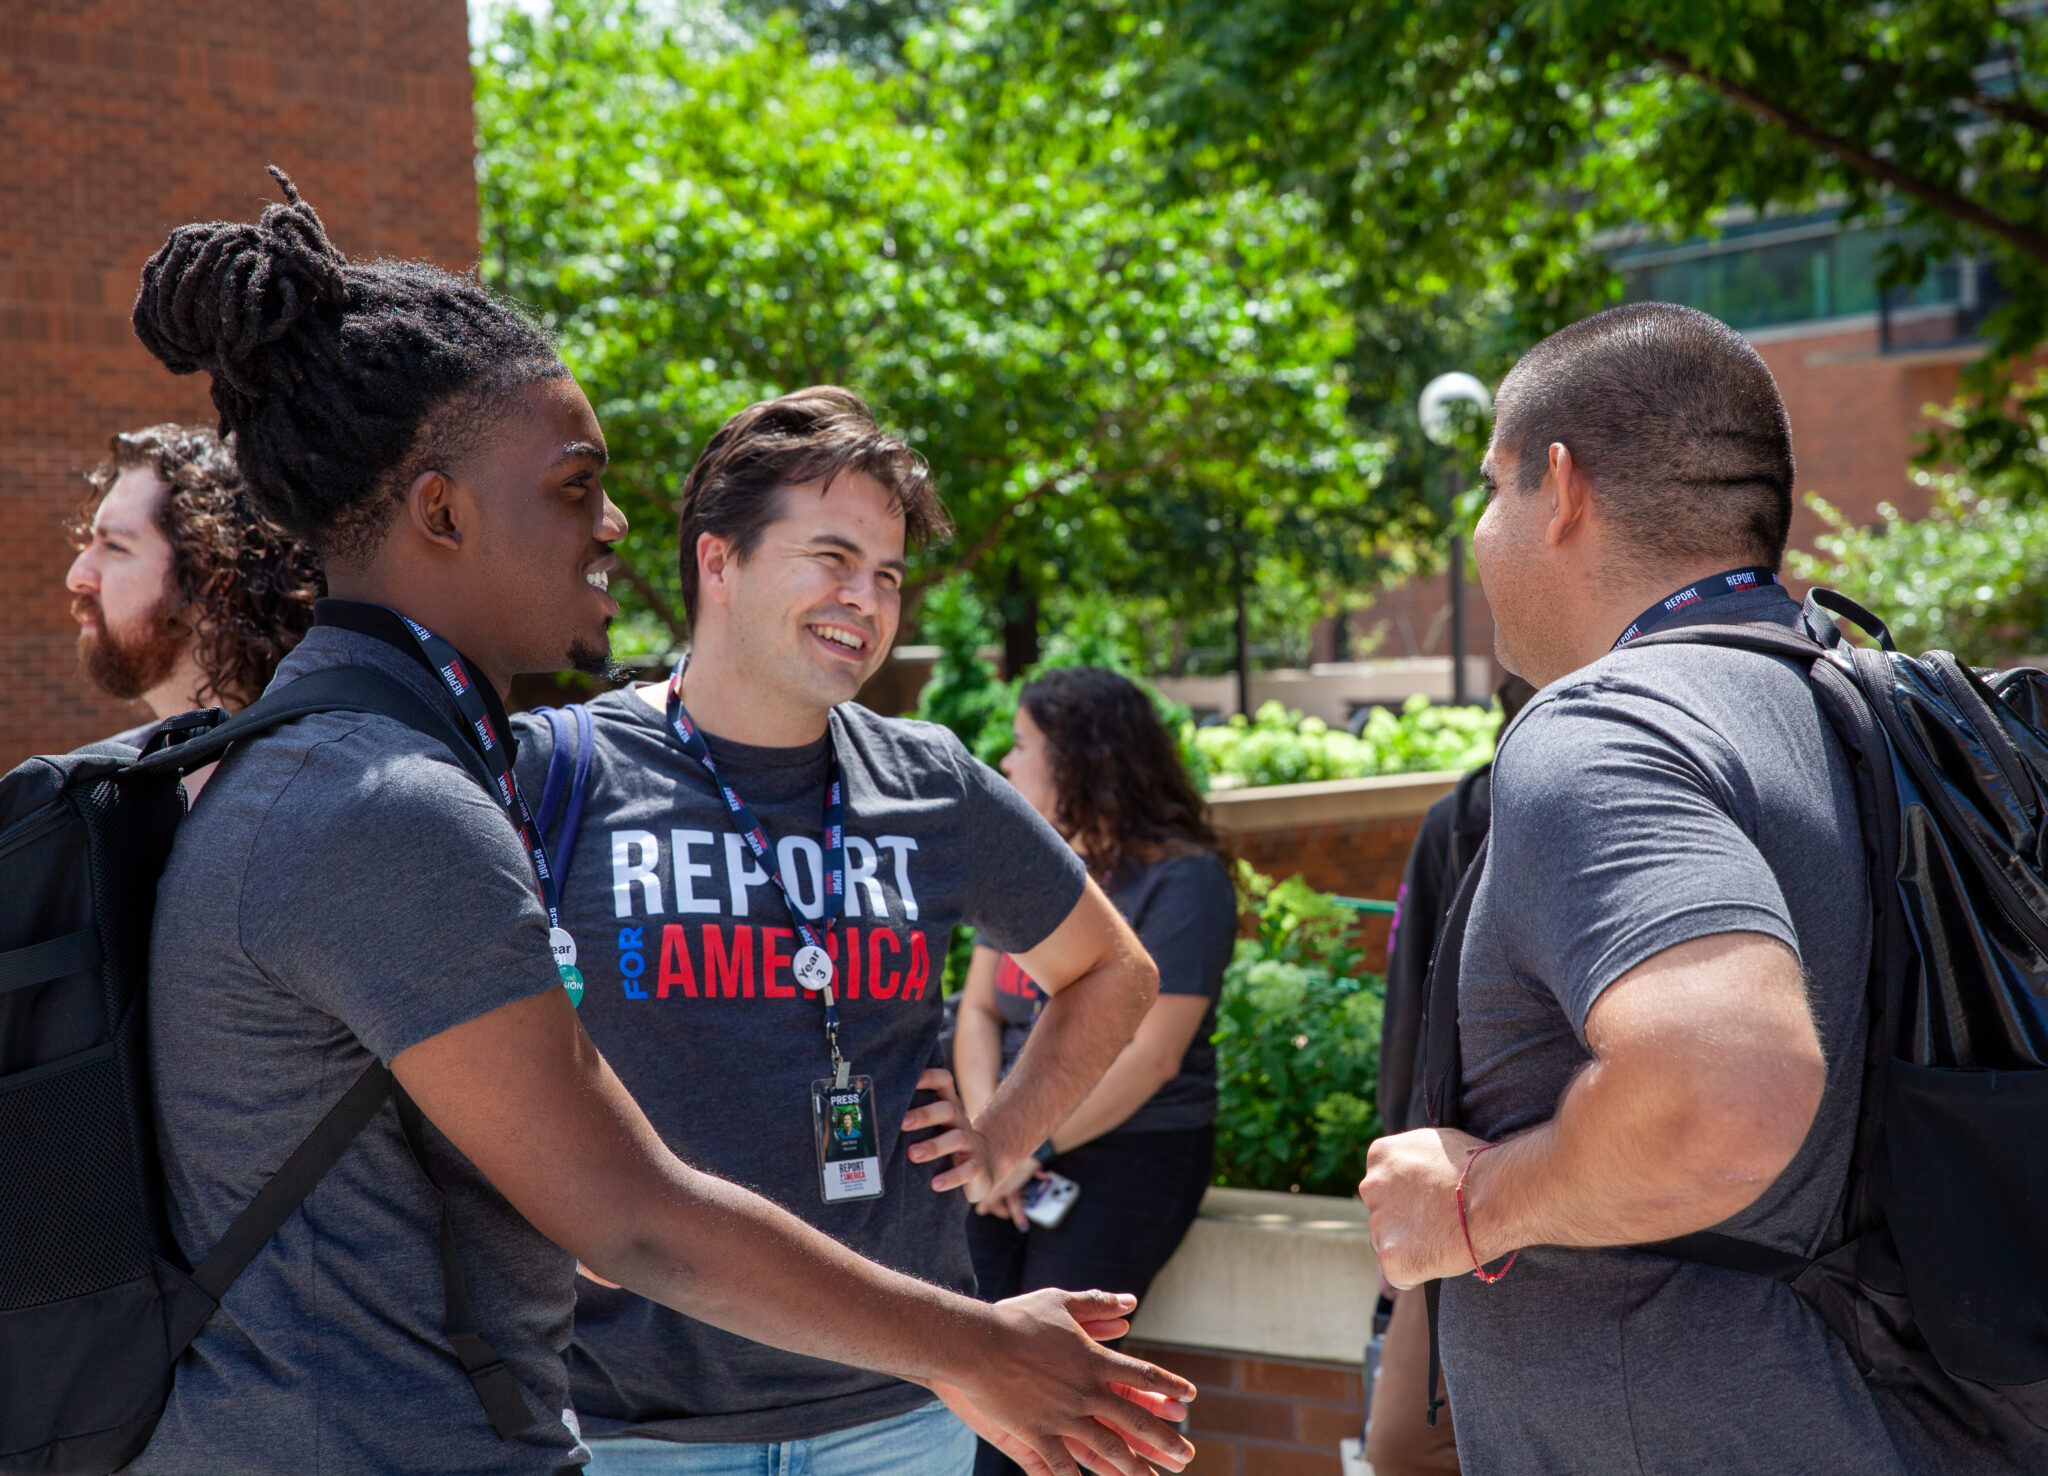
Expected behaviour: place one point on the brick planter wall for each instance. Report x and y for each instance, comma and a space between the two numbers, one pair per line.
1264, 1416
1349, 836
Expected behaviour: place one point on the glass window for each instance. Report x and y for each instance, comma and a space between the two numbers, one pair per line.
1797, 281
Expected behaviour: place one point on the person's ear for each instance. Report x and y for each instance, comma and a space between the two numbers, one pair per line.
1568, 492
717, 562
441, 510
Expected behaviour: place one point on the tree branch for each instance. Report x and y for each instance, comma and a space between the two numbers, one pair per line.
2023, 238
656, 601
994, 531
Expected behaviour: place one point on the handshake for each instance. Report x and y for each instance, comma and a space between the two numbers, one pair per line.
1051, 1398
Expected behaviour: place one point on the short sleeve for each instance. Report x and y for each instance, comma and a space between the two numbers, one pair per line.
1025, 879
1615, 838
1188, 923
395, 895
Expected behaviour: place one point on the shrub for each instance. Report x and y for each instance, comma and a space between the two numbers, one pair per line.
1971, 577
1279, 746
1297, 1045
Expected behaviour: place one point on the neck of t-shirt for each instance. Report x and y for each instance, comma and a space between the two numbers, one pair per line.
759, 739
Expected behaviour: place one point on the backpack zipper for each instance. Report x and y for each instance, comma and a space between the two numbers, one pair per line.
1963, 692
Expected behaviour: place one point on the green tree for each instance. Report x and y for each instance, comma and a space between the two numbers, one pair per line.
1492, 141
1116, 392
1971, 577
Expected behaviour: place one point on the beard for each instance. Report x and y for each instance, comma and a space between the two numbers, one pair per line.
128, 665
594, 660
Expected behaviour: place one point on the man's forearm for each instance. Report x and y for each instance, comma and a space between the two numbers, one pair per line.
1622, 1163
1080, 1032
723, 1255
977, 1058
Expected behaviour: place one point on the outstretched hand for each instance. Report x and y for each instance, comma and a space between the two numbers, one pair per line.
1050, 1397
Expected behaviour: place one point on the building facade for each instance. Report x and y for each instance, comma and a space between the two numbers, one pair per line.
1859, 369
120, 120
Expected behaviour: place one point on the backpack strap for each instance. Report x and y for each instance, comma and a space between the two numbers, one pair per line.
1852, 687
496, 1389
295, 1178
332, 689
568, 778
344, 689
559, 764
1443, 1067
572, 818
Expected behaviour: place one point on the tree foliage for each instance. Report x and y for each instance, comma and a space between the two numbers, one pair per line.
1971, 577
1499, 139
1116, 392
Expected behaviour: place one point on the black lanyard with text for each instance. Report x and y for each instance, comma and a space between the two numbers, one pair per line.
813, 965
1734, 581
446, 661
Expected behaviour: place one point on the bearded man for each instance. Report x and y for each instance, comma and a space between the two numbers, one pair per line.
185, 596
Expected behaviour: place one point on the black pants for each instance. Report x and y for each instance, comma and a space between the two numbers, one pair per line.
1139, 1194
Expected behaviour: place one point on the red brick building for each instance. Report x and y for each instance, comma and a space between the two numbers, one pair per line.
120, 120
1857, 375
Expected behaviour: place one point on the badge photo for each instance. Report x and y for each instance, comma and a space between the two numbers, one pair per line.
849, 1152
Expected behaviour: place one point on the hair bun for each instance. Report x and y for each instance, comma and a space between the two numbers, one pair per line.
215, 294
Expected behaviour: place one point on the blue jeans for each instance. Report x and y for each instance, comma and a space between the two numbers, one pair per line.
926, 1442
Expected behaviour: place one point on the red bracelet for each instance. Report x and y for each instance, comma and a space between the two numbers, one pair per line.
1489, 1277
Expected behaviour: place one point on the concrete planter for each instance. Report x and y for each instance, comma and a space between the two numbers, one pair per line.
1283, 1275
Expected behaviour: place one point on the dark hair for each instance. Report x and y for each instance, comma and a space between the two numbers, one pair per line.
340, 381
1675, 418
1123, 792
811, 435
246, 586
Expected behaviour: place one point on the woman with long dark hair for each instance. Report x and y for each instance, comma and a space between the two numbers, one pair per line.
1093, 757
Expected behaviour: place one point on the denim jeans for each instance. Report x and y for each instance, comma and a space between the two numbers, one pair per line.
926, 1442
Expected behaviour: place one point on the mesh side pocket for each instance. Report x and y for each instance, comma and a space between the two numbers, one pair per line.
71, 1209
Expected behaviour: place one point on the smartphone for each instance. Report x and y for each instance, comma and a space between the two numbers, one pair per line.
1048, 1198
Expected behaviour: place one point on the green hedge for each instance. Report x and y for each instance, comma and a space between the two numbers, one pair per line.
1297, 1045
1279, 746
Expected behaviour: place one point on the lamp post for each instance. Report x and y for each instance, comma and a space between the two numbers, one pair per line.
1434, 411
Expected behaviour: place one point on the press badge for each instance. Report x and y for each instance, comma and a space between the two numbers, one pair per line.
843, 1121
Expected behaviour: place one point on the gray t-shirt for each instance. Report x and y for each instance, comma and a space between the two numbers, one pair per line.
1659, 795
686, 947
342, 891
1184, 910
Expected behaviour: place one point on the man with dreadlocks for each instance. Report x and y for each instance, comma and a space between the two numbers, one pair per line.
185, 595
348, 892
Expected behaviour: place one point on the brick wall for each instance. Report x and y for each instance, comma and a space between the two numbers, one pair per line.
120, 119
1264, 1416
1354, 858
1351, 837
1857, 418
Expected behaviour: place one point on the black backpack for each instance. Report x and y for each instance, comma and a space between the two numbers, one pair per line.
96, 1304
1934, 1276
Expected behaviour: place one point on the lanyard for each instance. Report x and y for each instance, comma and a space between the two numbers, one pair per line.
498, 762
813, 963
1734, 581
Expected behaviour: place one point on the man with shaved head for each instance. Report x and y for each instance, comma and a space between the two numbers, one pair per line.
1660, 968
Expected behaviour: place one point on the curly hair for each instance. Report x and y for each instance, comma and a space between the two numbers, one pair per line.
339, 381
245, 586
1123, 792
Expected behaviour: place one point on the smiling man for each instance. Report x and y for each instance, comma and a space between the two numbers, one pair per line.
772, 875
348, 894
